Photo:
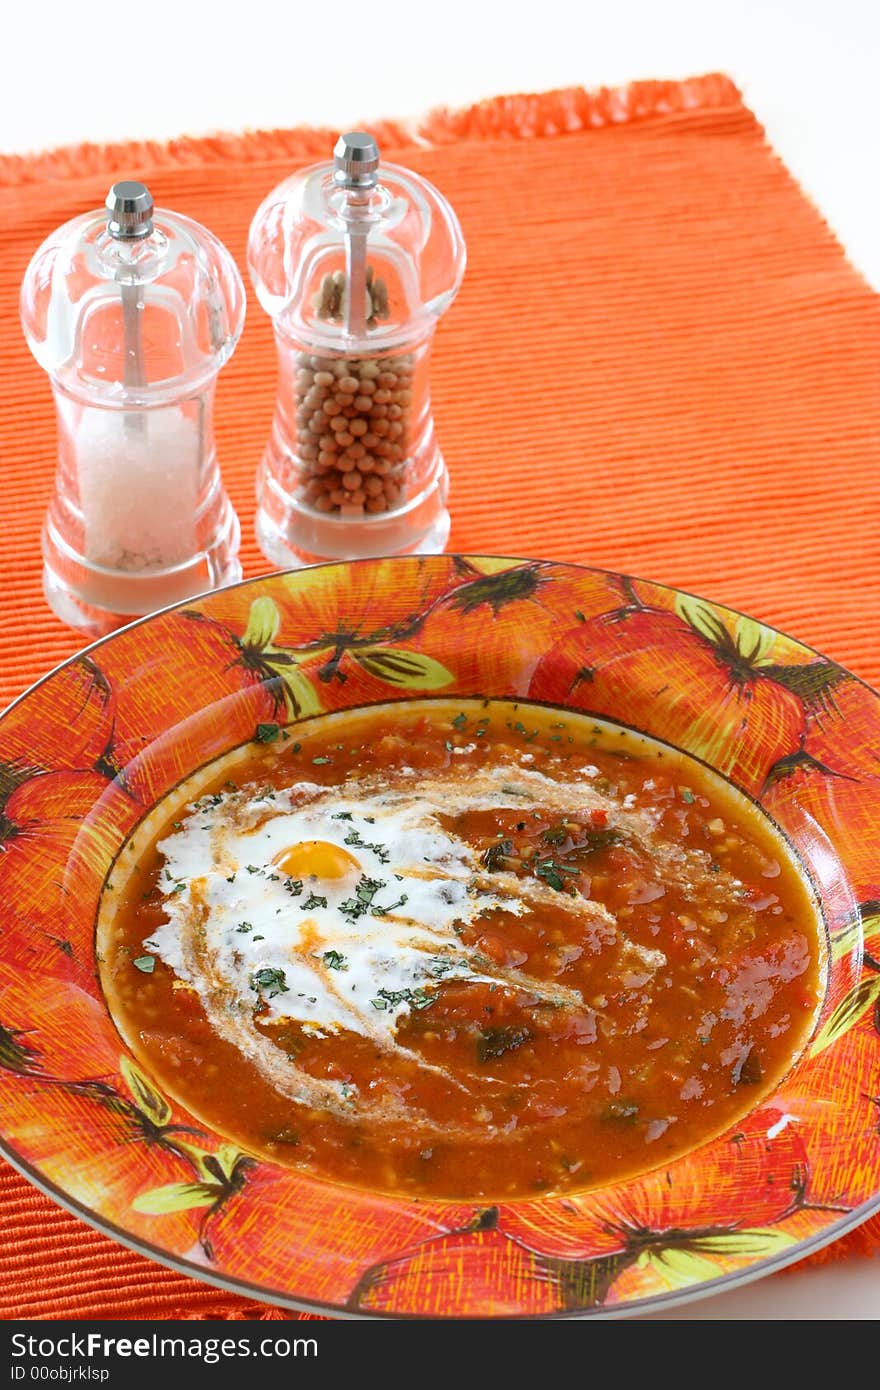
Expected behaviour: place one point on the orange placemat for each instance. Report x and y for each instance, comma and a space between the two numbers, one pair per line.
660, 362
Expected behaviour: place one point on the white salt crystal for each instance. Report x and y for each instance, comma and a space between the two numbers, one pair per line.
139, 484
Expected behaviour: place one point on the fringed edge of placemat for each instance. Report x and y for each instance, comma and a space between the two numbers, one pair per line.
525, 116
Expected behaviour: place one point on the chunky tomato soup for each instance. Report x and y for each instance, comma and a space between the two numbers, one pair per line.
473, 950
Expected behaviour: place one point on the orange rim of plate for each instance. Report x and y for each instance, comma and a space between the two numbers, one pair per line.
86, 753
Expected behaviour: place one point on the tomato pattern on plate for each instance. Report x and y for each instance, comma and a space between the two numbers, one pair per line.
87, 752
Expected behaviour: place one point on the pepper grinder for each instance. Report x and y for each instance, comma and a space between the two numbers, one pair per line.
132, 311
355, 271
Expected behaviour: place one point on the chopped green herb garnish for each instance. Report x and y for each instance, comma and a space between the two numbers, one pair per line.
334, 960
551, 871
293, 886
313, 901
267, 733
379, 911
599, 839
353, 838
320, 761
245, 926
270, 980
459, 721
687, 795
365, 892
556, 835
147, 964
341, 815
579, 615
389, 998
495, 853
521, 729
440, 967
253, 868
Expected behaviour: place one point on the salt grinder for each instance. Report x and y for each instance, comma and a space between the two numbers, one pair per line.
355, 270
132, 311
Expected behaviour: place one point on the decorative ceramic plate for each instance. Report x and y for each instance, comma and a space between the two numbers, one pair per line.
86, 754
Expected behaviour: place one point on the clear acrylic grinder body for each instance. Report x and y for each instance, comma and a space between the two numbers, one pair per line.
132, 312
355, 266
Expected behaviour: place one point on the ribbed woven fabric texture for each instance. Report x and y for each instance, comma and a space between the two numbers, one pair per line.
660, 362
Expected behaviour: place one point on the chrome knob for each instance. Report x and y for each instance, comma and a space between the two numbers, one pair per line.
130, 206
356, 160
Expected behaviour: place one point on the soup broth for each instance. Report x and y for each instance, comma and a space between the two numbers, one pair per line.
471, 950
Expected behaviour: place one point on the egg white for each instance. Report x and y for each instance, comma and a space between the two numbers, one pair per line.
245, 937
251, 920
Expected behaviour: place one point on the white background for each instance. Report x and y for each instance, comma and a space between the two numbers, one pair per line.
105, 72
811, 71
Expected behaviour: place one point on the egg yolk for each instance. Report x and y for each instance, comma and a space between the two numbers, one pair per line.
317, 859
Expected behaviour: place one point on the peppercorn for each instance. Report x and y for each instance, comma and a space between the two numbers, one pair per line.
352, 415
352, 431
